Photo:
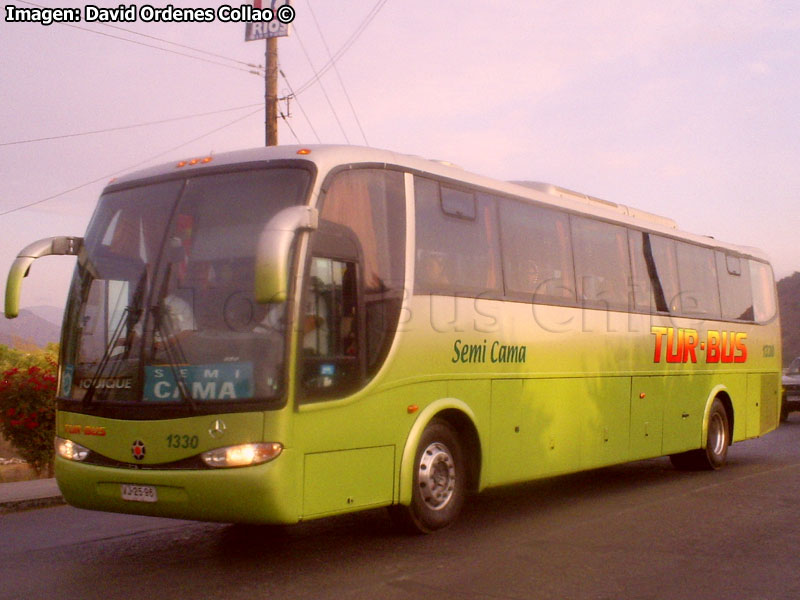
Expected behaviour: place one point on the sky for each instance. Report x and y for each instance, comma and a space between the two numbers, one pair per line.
687, 108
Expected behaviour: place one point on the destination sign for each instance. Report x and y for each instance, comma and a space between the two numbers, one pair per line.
224, 381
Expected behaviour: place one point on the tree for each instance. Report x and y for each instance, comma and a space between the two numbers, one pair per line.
789, 299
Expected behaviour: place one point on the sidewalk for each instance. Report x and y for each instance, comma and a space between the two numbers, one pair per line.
21, 495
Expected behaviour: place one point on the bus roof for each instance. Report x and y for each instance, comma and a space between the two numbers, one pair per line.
327, 157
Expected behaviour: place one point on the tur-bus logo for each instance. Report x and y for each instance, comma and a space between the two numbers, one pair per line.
682, 345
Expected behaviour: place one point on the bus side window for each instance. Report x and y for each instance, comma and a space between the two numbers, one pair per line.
734, 287
457, 248
697, 275
645, 294
602, 264
765, 305
537, 253
666, 271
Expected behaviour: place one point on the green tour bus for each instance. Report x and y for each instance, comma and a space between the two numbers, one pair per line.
280, 334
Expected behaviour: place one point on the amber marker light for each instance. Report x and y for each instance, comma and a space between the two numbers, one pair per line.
412, 408
304, 151
194, 161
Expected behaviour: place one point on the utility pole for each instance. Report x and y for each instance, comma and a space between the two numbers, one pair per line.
277, 26
271, 93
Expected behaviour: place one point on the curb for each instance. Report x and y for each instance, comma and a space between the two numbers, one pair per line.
17, 496
29, 504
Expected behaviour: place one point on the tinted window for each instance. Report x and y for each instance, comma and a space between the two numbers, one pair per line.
764, 305
456, 240
602, 271
645, 288
736, 296
458, 203
698, 281
371, 202
537, 253
163, 302
666, 267
330, 328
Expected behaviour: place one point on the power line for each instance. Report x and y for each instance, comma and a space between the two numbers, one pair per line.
345, 47
326, 67
200, 58
158, 39
289, 125
336, 70
123, 127
152, 37
126, 169
321, 85
116, 37
300, 106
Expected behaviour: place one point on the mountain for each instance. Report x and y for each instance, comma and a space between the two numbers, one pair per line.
31, 329
789, 302
54, 314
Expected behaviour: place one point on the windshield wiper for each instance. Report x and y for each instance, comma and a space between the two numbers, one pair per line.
174, 353
101, 366
127, 321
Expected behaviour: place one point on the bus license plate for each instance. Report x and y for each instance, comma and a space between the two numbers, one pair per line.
139, 493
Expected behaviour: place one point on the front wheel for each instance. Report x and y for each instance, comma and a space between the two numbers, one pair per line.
713, 456
439, 481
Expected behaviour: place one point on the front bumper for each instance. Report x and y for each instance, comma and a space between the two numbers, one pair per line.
265, 493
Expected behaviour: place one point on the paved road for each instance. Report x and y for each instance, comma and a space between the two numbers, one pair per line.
641, 530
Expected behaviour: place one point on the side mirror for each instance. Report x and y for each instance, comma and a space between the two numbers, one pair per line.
61, 245
274, 249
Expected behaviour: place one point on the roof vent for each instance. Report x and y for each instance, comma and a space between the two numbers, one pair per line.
560, 192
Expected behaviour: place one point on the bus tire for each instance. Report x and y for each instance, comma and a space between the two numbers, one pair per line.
713, 456
439, 482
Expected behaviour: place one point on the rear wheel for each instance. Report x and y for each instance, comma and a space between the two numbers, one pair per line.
439, 481
713, 456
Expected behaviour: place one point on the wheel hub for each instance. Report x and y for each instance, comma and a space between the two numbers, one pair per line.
716, 434
437, 476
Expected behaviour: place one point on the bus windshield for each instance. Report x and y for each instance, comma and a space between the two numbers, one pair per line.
161, 308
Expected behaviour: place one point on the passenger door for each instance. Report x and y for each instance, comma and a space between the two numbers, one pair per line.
332, 316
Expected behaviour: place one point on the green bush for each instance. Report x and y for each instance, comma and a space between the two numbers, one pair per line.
27, 404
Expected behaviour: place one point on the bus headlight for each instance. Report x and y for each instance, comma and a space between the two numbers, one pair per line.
70, 450
243, 455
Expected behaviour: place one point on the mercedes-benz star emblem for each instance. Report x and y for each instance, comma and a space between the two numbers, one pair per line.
217, 429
